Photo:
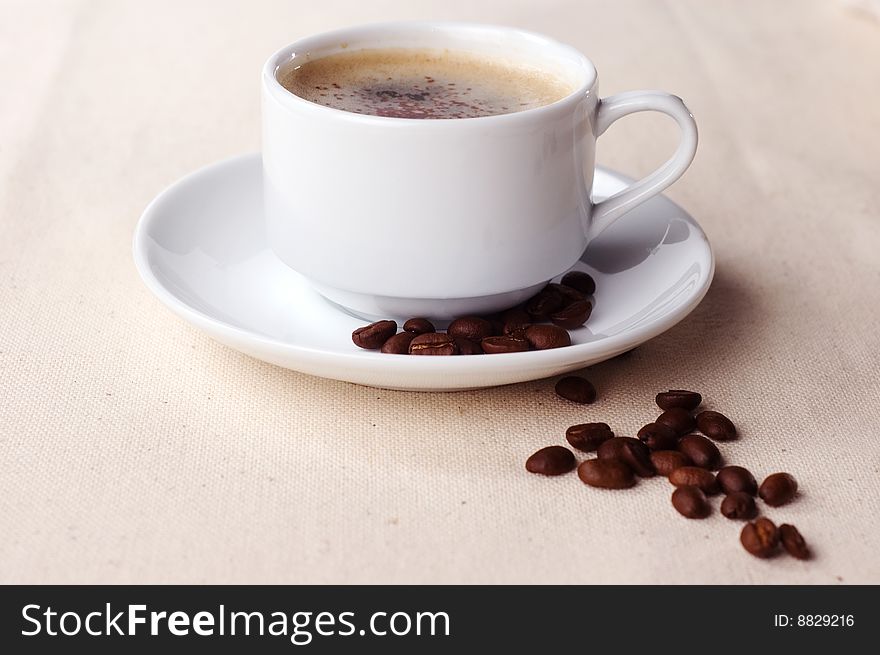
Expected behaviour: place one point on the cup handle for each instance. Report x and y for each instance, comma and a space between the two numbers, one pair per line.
623, 104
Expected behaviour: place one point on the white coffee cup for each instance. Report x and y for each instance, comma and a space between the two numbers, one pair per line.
396, 217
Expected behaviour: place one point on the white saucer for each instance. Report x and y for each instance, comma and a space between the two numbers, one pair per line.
201, 248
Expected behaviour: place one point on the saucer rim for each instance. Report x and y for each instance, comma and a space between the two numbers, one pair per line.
560, 357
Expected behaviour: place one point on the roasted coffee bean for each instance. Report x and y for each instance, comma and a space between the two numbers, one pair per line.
470, 327
588, 436
606, 473
793, 542
716, 426
678, 419
688, 400
736, 478
778, 489
515, 319
579, 280
512, 343
433, 343
658, 436
552, 460
739, 505
467, 347
398, 344
760, 538
418, 325
694, 476
631, 451
666, 461
703, 453
544, 303
691, 502
544, 337
573, 315
569, 294
577, 390
372, 336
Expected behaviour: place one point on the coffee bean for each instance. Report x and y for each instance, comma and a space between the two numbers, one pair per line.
666, 461
467, 347
544, 303
631, 451
691, 502
793, 542
552, 460
688, 400
760, 538
678, 419
512, 343
736, 478
739, 505
544, 337
433, 343
694, 476
515, 319
778, 489
569, 294
470, 327
372, 336
658, 436
588, 436
579, 280
577, 390
573, 315
398, 344
418, 326
606, 473
716, 426
702, 452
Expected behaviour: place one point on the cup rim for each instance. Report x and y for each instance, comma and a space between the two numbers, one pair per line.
272, 86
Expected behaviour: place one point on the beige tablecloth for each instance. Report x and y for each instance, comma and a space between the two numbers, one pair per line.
135, 449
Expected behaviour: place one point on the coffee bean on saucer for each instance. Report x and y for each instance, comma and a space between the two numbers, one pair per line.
793, 542
606, 474
569, 294
433, 343
511, 343
470, 327
678, 419
467, 347
588, 436
694, 476
372, 336
581, 281
631, 451
737, 478
739, 505
778, 489
544, 337
690, 502
552, 460
576, 389
418, 326
688, 400
515, 319
658, 436
666, 461
544, 303
702, 452
716, 426
760, 538
398, 344
572, 316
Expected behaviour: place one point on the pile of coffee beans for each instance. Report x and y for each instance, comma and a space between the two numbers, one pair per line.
691, 462
541, 323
